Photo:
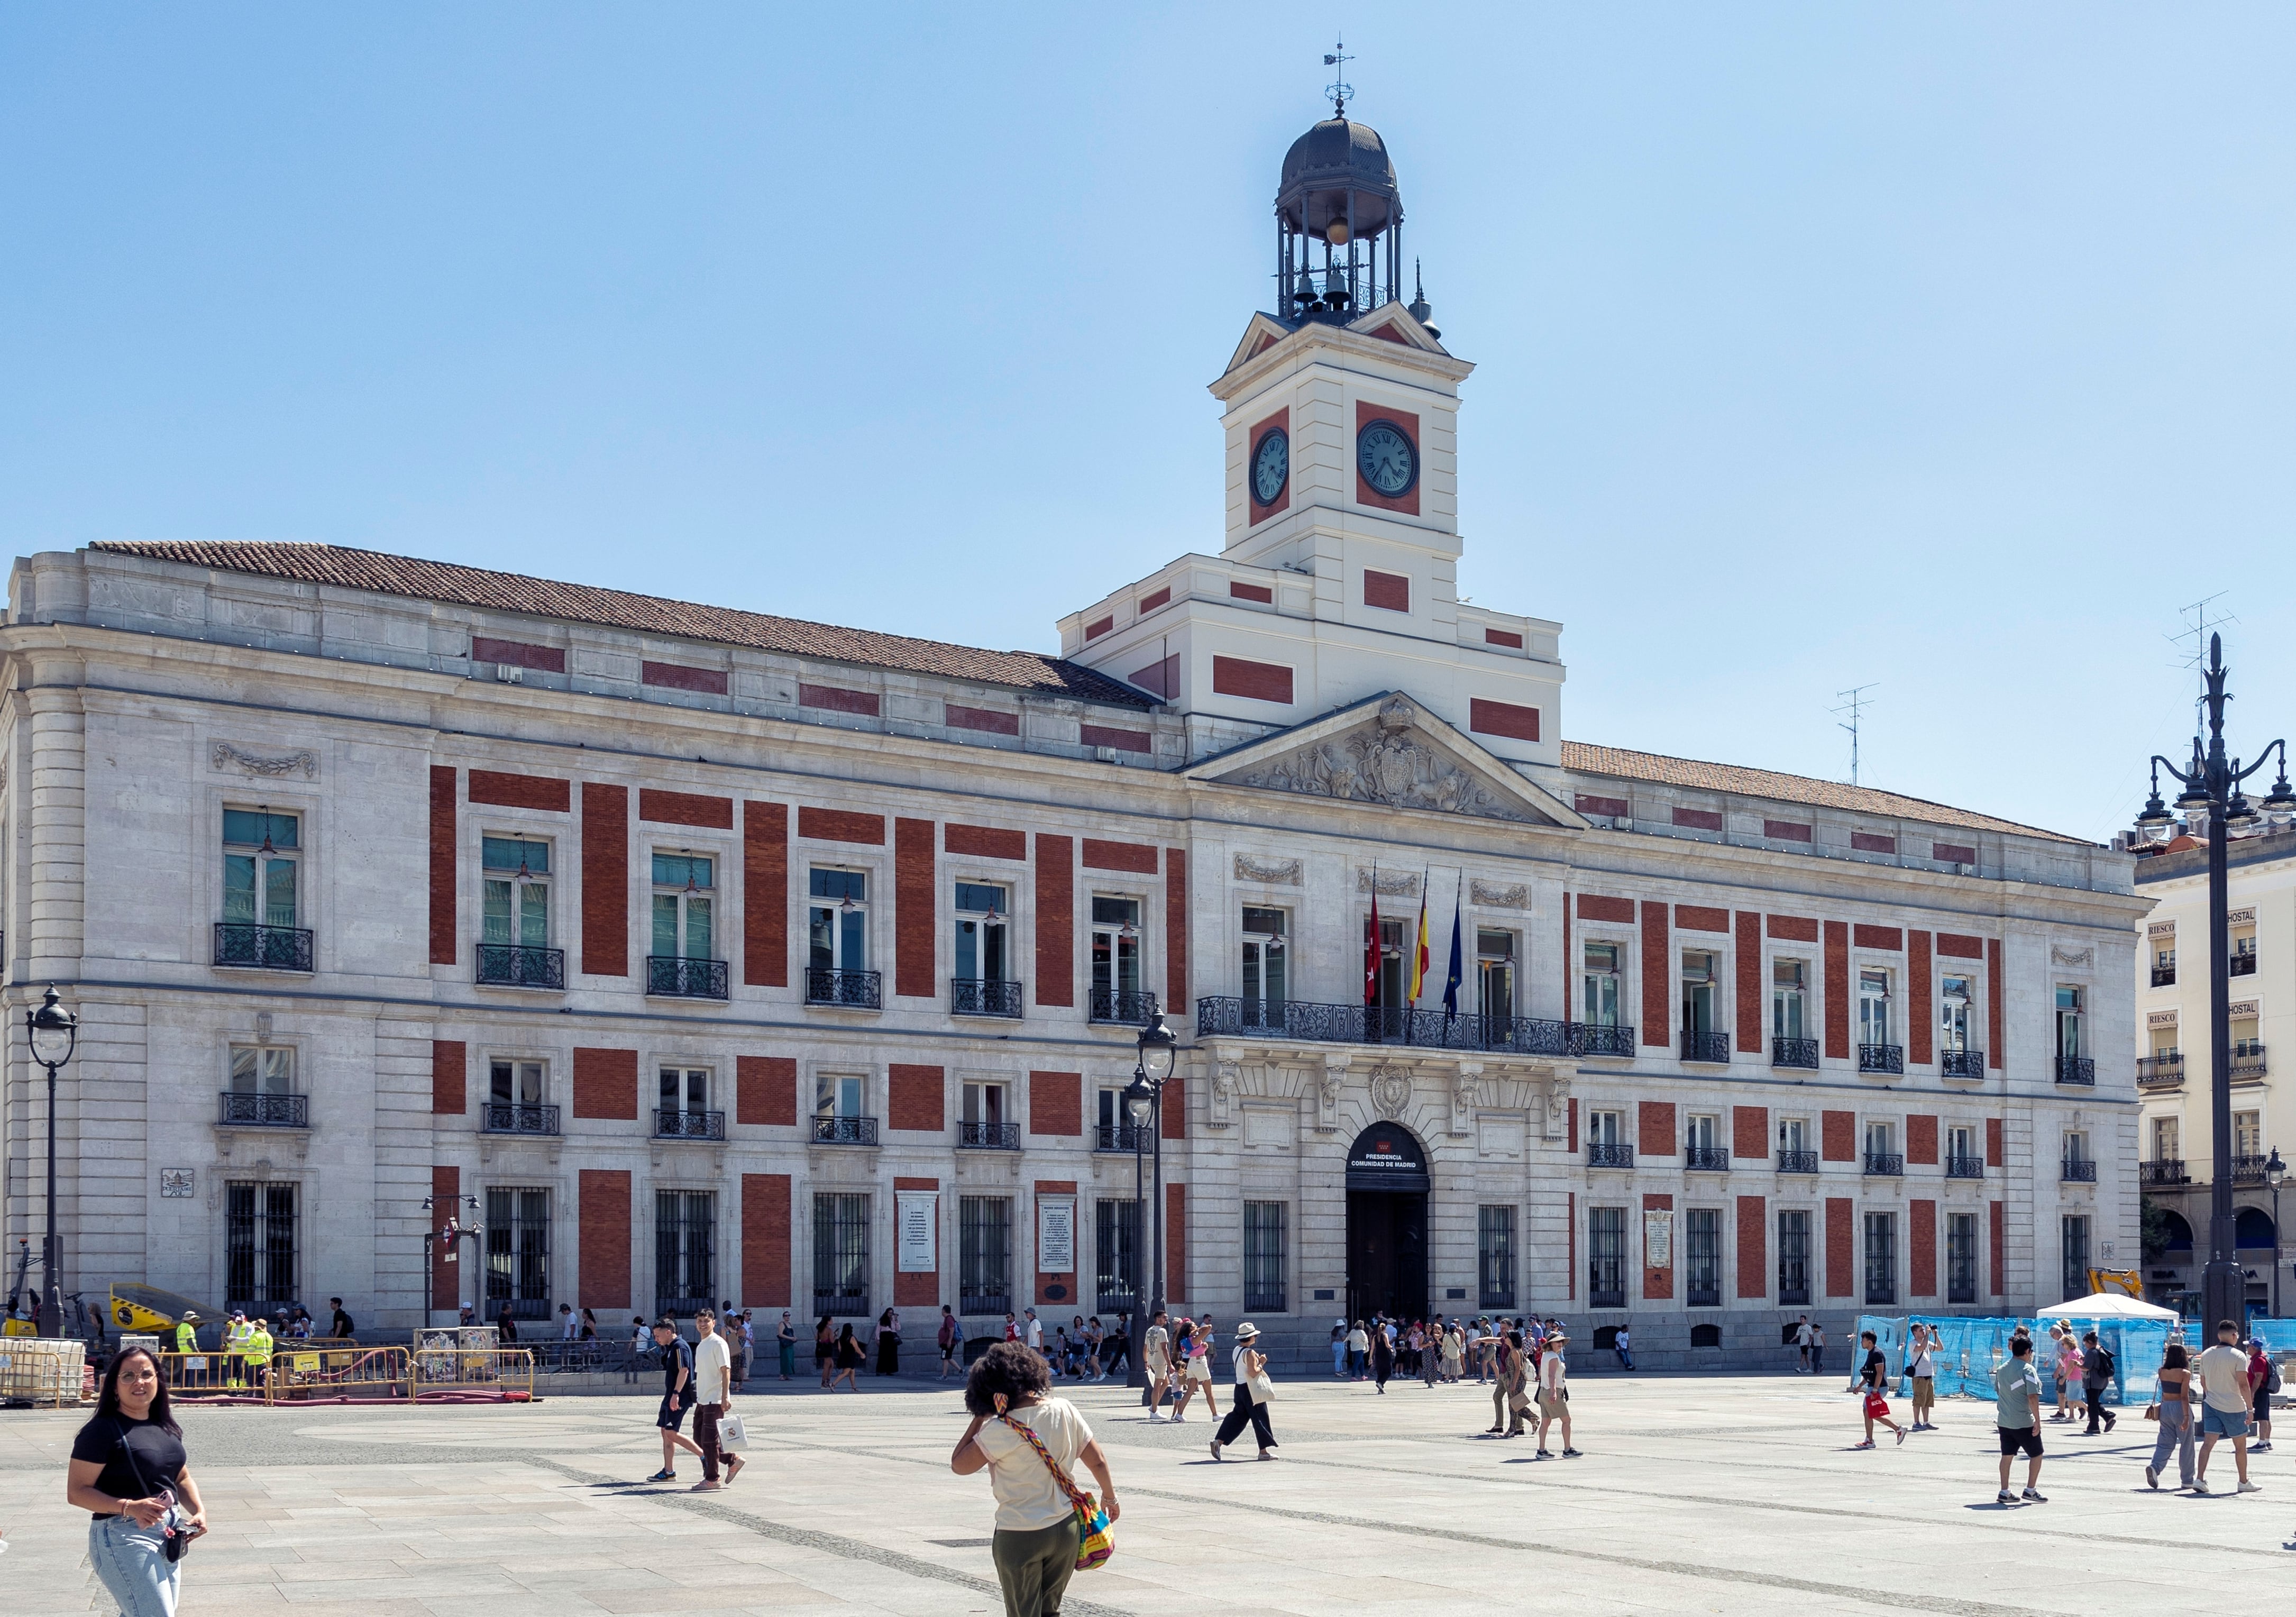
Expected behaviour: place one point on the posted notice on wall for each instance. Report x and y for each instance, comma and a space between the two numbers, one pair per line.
1658, 1238
917, 1214
1056, 1234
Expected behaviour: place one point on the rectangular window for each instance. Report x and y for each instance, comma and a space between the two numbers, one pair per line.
262, 1069
518, 1250
2244, 1041
1265, 960
1606, 1257
1115, 954
1598, 1000
2163, 1041
684, 926
1393, 977
684, 1090
262, 1232
1880, 1258
1793, 1134
1873, 1007
1881, 1139
2077, 1150
2070, 1005
2167, 1139
1702, 1256
1698, 973
984, 1253
1263, 1257
1961, 1257
2248, 1134
840, 1254
1952, 1015
1495, 972
2075, 1228
2164, 966
987, 1103
1495, 1256
1960, 1142
838, 925
514, 1083
982, 911
684, 1251
1604, 1128
1702, 1131
259, 852
2243, 950
1116, 1256
515, 892
1793, 1258
1789, 994
837, 1095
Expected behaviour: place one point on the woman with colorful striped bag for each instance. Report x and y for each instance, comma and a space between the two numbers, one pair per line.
1047, 1527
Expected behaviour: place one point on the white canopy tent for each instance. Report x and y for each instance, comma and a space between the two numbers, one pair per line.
2106, 1305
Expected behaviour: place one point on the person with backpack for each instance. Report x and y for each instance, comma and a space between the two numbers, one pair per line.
950, 1338
2264, 1376
2096, 1375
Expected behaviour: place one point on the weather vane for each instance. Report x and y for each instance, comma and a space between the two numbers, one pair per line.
1339, 89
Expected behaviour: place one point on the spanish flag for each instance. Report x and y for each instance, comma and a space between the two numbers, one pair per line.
1419, 955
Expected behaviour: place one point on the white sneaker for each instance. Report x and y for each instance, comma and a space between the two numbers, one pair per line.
2252, 1488
1178, 1419
1155, 1418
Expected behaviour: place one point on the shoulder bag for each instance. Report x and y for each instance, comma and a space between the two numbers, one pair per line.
1095, 1542
1262, 1390
178, 1541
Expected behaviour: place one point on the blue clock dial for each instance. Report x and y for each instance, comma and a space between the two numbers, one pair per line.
1271, 464
1386, 459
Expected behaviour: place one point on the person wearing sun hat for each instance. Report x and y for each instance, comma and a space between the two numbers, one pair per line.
1248, 1405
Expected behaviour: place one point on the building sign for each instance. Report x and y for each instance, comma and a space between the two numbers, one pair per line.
1658, 1238
1386, 1156
2240, 1009
2160, 1019
2241, 917
175, 1184
915, 1219
2160, 928
1056, 1234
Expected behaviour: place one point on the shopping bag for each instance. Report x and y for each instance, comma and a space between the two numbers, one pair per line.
733, 1436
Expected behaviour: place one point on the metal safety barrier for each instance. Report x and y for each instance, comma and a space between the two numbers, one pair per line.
448, 1374
330, 1373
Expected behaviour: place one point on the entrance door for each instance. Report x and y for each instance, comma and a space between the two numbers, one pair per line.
1387, 1224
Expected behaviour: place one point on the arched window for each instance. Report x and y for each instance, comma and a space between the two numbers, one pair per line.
2252, 1229
2180, 1233
1706, 1336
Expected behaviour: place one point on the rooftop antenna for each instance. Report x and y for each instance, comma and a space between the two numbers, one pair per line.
1855, 703
2198, 622
1339, 89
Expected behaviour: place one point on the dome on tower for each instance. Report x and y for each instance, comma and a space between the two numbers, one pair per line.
1337, 163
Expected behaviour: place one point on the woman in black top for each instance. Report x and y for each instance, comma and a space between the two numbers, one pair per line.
128, 1471
851, 1357
889, 1343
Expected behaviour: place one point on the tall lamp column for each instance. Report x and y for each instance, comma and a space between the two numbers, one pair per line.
2275, 1172
1144, 1104
52, 1032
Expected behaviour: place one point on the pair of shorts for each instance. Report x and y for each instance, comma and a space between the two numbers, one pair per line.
2223, 1423
2263, 1411
2025, 1437
671, 1416
1200, 1369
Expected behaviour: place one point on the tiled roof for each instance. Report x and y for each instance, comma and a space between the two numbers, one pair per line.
343, 567
1626, 765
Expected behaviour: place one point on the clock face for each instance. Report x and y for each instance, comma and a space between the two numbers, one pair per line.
1271, 463
1386, 459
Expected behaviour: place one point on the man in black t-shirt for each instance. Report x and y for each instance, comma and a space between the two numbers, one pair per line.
1872, 1377
343, 1327
678, 1394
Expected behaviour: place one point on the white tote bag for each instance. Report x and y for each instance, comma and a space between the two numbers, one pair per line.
733, 1436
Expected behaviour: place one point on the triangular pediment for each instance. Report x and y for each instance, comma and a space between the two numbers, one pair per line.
1389, 752
1263, 332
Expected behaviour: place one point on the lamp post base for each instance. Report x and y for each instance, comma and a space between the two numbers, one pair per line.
2224, 1295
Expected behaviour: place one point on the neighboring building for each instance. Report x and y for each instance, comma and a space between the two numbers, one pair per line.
719, 955
2173, 1074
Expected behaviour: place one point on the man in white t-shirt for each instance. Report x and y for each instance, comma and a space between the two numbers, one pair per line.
2226, 1396
1803, 1336
713, 1371
1034, 1334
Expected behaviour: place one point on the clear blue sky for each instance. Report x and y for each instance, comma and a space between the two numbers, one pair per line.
1948, 347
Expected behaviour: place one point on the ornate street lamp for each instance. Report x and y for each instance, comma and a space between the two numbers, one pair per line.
1144, 1105
52, 1032
2275, 1171
2211, 782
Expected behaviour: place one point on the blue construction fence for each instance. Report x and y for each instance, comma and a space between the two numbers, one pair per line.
1971, 1347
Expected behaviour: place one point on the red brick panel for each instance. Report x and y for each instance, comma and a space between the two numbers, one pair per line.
1785, 831
520, 791
1252, 592
602, 1203
1175, 931
765, 895
1281, 422
1869, 841
1056, 1102
1058, 1286
985, 843
1571, 1212
1253, 681
1749, 1133
1753, 1256
1173, 1110
1588, 803
841, 825
1136, 857
1390, 592
519, 654
1112, 735
1511, 720
1503, 636
1920, 1229
1793, 928
1994, 1269
605, 879
1837, 990
766, 1240
1993, 1040
678, 677
1176, 1241
1699, 918
837, 699
1920, 1013
445, 1278
1367, 413
1995, 1156
1838, 1137
1841, 1264
765, 1090
1055, 920
1658, 1284
685, 808
1099, 627
1880, 936
988, 720
1958, 946
1657, 1023
915, 1098
1591, 907
1699, 820
1921, 1140
1654, 1133
606, 1084
1954, 853
912, 909
1750, 983
449, 1067
1572, 1126
442, 865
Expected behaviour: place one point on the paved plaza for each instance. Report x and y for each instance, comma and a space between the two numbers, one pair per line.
1728, 1495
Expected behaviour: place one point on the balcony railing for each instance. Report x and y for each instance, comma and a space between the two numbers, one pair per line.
983, 997
1880, 1058
2078, 1170
2248, 1171
844, 1130
1128, 1007
2242, 963
1886, 1164
2247, 1063
1610, 1156
245, 1109
1122, 1136
2163, 1171
504, 1117
1964, 1167
510, 965
853, 991
1220, 1015
1706, 1158
2160, 1071
2164, 976
269, 948
1708, 1047
2077, 1069
1793, 1053
1797, 1162
675, 977
1961, 1064
670, 1124
989, 1136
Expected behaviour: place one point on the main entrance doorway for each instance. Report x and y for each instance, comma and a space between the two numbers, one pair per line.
1387, 1224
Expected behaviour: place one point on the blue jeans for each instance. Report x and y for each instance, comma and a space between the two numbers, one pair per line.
1340, 1358
132, 1563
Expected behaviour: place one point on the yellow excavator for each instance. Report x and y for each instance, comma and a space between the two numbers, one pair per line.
2126, 1282
143, 1309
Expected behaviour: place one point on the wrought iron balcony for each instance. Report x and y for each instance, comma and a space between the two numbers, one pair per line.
853, 990
1961, 1064
2078, 1170
2164, 976
844, 1130
2160, 1071
2247, 1063
1122, 1136
983, 997
1705, 1045
1610, 1156
2077, 1069
269, 948
2248, 1171
1793, 1053
1886, 1164
2163, 1171
1219, 1014
989, 1136
1880, 1058
1598, 1039
670, 1124
502, 1117
510, 965
1964, 1167
1706, 1158
245, 1109
2242, 963
1128, 1007
1797, 1162
675, 977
